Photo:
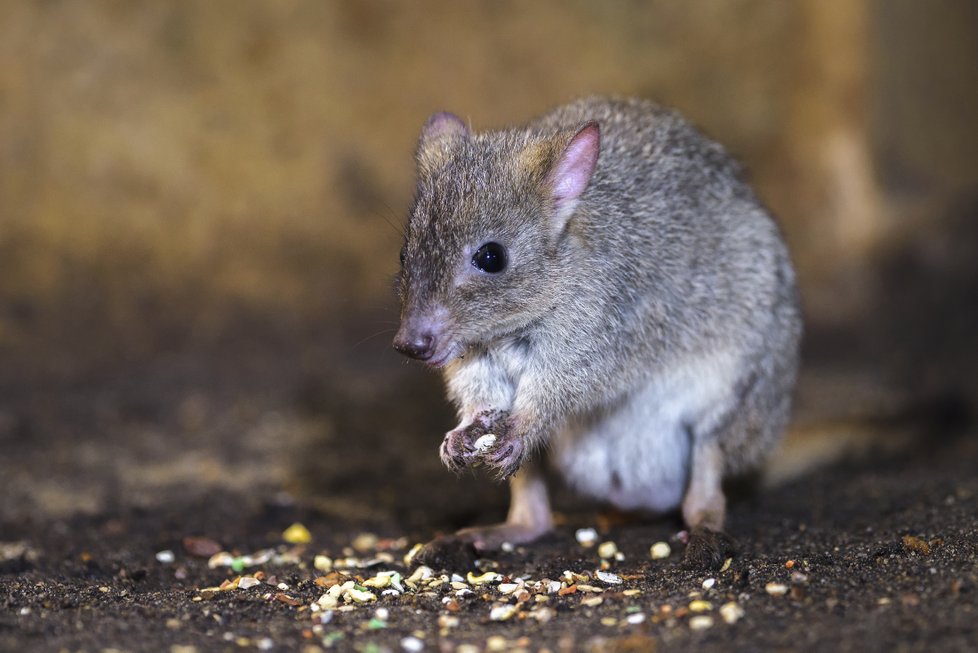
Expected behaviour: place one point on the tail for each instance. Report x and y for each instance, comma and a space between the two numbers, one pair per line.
809, 447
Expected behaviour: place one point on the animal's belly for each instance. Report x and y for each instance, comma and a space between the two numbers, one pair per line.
636, 457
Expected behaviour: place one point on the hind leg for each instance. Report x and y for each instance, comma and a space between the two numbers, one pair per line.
704, 509
529, 513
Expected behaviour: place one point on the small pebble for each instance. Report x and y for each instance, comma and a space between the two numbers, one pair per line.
660, 550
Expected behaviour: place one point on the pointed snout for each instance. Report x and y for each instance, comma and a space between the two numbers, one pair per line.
416, 344
424, 335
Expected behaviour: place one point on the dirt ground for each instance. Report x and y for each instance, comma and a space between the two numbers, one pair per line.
105, 481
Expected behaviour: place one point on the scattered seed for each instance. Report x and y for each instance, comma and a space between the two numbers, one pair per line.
247, 582
502, 612
412, 644
409, 556
731, 612
701, 622
726, 565
611, 579
636, 618
660, 550
322, 563
700, 605
420, 574
776, 589
297, 534
497, 643
448, 621
488, 577
586, 537
709, 583
592, 601
607, 550
364, 542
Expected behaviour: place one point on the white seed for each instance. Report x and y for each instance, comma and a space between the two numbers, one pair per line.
247, 582
412, 644
166, 557
379, 581
607, 577
709, 583
497, 643
731, 612
502, 612
322, 563
636, 618
420, 574
701, 622
586, 536
483, 443
660, 550
409, 556
776, 589
607, 550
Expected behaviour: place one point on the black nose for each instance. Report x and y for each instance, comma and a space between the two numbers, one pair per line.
417, 345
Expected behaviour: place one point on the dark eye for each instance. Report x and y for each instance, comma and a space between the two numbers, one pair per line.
491, 258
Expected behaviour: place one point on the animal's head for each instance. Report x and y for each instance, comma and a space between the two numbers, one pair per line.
484, 238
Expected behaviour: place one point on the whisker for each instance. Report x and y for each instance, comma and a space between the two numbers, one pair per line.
374, 335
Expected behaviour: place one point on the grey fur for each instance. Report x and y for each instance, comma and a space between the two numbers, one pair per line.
659, 320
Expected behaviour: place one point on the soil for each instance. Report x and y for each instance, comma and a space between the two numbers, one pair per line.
105, 480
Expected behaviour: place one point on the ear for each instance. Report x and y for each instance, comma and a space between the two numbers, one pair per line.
438, 132
571, 173
443, 125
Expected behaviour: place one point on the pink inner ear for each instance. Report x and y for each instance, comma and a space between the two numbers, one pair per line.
571, 174
442, 124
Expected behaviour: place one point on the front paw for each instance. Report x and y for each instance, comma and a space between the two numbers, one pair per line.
457, 449
506, 456
463, 447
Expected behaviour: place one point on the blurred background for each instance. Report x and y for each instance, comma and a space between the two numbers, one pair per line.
200, 204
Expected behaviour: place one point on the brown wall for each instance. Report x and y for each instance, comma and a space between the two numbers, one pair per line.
174, 173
